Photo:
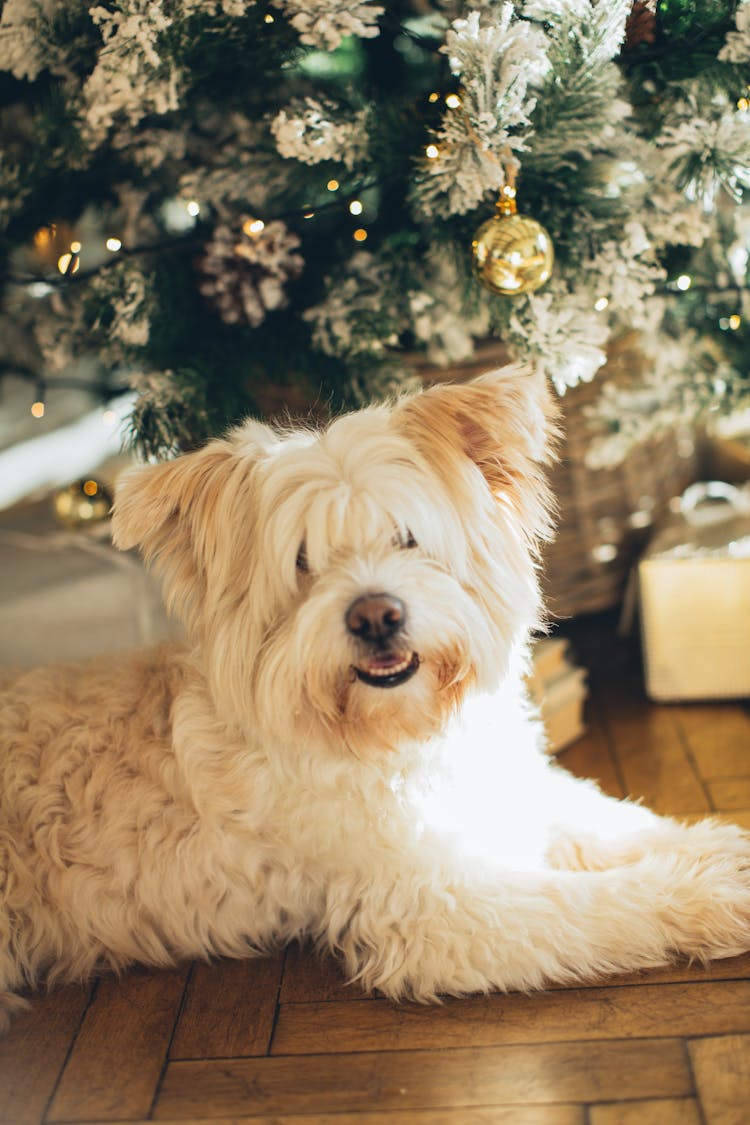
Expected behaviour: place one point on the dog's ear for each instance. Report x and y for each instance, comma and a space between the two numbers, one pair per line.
174, 513
504, 422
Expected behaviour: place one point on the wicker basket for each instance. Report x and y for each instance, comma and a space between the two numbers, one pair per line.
606, 514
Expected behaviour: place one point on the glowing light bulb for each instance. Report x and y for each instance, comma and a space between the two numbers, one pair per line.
44, 236
75, 247
68, 263
113, 244
434, 97
735, 321
432, 152
360, 234
453, 101
253, 227
355, 207
601, 304
333, 185
604, 553
193, 207
37, 409
684, 282
40, 289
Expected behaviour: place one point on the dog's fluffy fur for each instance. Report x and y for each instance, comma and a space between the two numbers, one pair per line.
371, 777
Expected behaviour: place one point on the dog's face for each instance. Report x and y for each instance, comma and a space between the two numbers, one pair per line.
350, 586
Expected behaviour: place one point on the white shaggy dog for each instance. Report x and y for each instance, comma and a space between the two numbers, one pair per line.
344, 750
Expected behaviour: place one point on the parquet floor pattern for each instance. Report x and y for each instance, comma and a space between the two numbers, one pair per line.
283, 1041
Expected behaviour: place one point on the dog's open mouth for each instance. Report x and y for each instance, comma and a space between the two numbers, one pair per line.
387, 669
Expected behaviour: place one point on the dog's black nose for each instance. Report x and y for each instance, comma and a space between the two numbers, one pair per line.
375, 617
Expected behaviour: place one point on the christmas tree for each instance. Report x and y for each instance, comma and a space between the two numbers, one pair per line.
229, 205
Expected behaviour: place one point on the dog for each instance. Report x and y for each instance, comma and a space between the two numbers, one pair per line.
343, 748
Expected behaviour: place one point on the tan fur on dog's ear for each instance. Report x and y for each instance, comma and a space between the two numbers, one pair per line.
504, 422
174, 512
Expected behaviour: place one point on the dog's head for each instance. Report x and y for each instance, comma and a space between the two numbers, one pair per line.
351, 585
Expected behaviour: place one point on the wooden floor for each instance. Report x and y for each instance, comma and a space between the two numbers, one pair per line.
284, 1042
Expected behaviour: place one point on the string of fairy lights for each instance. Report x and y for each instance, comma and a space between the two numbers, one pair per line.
56, 245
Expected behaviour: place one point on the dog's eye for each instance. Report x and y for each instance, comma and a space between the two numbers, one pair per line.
302, 566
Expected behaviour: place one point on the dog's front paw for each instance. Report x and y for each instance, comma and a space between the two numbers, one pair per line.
585, 851
706, 901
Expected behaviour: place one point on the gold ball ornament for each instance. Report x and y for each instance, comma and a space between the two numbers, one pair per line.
55, 248
512, 253
83, 503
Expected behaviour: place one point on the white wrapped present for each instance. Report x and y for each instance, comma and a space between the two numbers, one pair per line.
694, 595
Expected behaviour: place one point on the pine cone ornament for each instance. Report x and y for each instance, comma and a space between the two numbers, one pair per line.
246, 270
641, 25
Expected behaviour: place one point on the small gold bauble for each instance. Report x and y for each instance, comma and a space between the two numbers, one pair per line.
52, 249
512, 253
82, 503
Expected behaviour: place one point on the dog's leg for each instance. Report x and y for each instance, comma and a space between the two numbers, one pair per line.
593, 832
590, 831
531, 928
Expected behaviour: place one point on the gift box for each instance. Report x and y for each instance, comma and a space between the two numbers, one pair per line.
558, 687
68, 594
727, 448
729, 458
694, 597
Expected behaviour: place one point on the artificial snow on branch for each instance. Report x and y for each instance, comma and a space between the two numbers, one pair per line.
737, 47
560, 335
324, 23
360, 312
21, 51
499, 63
308, 130
707, 146
131, 78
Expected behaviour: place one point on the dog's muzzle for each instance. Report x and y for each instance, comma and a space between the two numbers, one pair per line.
376, 620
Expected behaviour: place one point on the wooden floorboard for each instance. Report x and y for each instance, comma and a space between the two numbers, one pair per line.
464, 1115
285, 1041
121, 1048
661, 1111
33, 1054
438, 1079
722, 1077
634, 1011
229, 1009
